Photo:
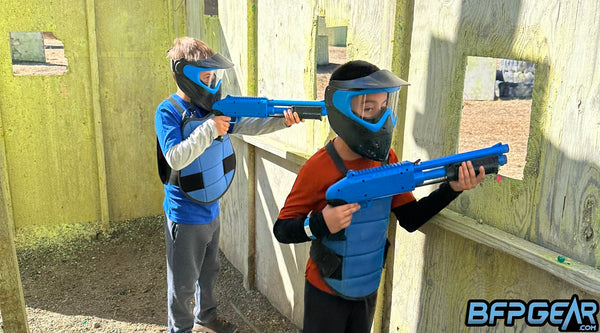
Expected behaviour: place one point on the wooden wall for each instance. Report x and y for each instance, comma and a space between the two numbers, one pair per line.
80, 147
502, 240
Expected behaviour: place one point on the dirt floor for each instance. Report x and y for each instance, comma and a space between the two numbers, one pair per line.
485, 123
84, 279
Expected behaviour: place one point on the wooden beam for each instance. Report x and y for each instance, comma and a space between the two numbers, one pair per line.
103, 215
12, 302
572, 271
252, 90
250, 278
252, 67
403, 22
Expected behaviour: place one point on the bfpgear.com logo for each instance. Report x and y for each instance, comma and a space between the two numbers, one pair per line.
572, 315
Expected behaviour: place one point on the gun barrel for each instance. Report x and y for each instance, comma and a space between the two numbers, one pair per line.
304, 109
497, 149
400, 177
446, 168
291, 103
262, 107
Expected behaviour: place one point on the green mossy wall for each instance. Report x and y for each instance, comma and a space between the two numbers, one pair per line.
80, 147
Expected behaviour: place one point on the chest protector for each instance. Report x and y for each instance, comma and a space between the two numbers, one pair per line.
351, 261
209, 176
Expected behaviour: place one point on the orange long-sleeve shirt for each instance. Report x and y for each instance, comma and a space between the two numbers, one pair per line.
308, 195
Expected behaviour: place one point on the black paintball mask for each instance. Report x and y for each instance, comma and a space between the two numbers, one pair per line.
201, 80
362, 111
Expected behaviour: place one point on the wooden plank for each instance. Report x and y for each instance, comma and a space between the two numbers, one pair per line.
104, 216
252, 84
12, 302
557, 264
404, 13
276, 148
250, 276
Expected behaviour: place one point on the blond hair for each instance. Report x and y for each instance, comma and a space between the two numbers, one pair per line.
189, 48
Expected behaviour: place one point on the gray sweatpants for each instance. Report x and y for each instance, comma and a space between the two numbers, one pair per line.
192, 269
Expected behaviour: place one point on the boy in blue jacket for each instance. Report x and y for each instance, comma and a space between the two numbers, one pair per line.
197, 164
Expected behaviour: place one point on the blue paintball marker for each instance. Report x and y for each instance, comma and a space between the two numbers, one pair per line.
369, 184
262, 107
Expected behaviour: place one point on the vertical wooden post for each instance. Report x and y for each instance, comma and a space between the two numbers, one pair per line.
403, 19
250, 281
103, 215
252, 24
12, 302
252, 86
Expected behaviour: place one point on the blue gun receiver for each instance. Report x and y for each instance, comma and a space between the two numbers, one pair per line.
262, 107
369, 184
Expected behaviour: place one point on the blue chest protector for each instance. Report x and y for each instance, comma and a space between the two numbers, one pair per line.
209, 176
351, 261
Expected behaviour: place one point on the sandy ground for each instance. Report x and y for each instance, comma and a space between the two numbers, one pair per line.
485, 123
85, 279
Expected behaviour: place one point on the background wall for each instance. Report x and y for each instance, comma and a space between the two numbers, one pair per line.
79, 147
510, 234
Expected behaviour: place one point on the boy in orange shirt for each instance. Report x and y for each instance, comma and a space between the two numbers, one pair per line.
348, 242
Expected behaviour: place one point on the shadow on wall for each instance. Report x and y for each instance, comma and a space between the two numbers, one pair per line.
281, 266
573, 240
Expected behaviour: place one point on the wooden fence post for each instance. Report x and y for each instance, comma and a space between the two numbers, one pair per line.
12, 302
